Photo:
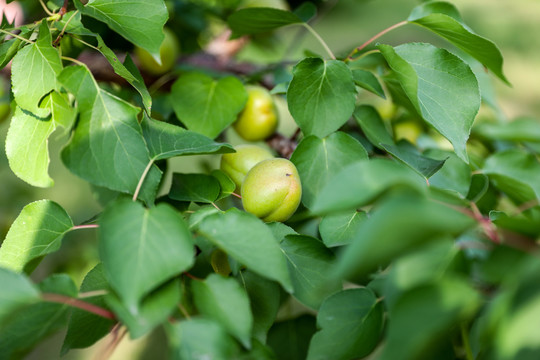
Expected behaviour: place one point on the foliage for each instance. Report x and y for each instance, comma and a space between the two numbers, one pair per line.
411, 247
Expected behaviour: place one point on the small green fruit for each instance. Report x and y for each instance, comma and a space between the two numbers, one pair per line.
220, 262
259, 119
237, 164
272, 190
168, 52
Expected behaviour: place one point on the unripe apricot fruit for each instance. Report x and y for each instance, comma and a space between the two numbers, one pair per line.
272, 190
168, 52
259, 119
236, 165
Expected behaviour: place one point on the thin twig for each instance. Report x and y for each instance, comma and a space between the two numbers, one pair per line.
16, 36
73, 60
94, 293
184, 311
87, 226
141, 180
375, 37
45, 8
320, 39
83, 305
59, 37
118, 334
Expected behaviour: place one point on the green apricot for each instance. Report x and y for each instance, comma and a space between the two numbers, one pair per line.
168, 52
259, 119
272, 190
237, 164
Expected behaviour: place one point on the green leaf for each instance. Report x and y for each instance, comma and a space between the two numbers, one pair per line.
362, 182
225, 301
515, 172
366, 80
128, 71
155, 309
139, 21
372, 125
264, 299
451, 109
194, 187
339, 228
8, 49
72, 23
290, 339
201, 339
248, 240
37, 321
166, 140
519, 130
455, 174
317, 160
321, 95
26, 147
27, 139
426, 316
17, 292
34, 71
309, 262
205, 105
351, 323
156, 241
444, 20
37, 231
257, 20
107, 148
398, 224
409, 155
85, 328
226, 184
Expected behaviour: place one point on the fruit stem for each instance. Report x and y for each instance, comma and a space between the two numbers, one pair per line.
235, 194
73, 302
141, 180
375, 37
320, 39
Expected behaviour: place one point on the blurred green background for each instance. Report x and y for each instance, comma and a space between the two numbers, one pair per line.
513, 25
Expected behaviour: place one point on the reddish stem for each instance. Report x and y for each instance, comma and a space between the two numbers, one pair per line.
63, 10
375, 37
88, 226
83, 305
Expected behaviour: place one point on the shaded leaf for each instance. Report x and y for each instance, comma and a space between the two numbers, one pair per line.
225, 301
154, 310
85, 328
339, 228
257, 20
409, 155
362, 182
515, 172
521, 129
226, 184
366, 80
37, 231
451, 109
372, 125
264, 299
351, 323
18, 292
205, 105
248, 240
454, 175
166, 140
309, 264
200, 339
426, 316
156, 241
290, 338
398, 224
194, 187
317, 160
321, 95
